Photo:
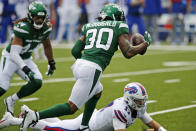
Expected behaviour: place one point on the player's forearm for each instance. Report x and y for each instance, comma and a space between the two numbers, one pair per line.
134, 50
154, 125
48, 50
129, 51
14, 54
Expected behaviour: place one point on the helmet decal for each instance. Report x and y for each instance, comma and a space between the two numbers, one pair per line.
112, 12
142, 88
131, 89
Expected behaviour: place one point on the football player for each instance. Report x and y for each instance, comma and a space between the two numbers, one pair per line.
117, 116
28, 33
99, 41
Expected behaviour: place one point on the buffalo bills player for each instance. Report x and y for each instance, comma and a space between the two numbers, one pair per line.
118, 115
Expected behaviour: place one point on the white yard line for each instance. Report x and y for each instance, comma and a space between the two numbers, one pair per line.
145, 72
172, 81
121, 80
151, 101
117, 55
153, 71
171, 110
29, 99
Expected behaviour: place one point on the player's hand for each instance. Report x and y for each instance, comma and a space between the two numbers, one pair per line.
148, 38
29, 74
51, 68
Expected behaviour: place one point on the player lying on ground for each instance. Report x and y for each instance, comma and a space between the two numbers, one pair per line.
117, 116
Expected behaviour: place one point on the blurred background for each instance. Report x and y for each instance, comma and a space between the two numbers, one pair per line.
170, 22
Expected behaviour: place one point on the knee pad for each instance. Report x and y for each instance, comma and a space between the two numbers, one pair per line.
2, 91
37, 83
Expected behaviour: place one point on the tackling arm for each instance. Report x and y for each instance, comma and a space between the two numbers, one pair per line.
127, 50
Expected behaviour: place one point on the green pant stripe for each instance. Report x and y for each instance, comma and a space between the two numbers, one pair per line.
4, 61
96, 77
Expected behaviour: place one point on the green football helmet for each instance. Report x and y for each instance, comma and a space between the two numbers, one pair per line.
37, 8
111, 12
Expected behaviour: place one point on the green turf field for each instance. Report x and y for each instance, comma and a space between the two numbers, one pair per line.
168, 74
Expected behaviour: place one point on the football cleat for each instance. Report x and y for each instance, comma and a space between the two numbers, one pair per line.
6, 120
85, 129
30, 118
9, 103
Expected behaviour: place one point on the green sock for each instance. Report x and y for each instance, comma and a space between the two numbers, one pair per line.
88, 110
55, 111
29, 88
2, 91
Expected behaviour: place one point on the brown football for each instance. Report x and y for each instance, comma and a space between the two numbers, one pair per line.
137, 39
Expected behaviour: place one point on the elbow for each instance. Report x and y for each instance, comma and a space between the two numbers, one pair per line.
129, 55
73, 53
76, 54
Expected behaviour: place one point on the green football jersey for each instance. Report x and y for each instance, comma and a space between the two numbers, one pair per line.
102, 40
30, 37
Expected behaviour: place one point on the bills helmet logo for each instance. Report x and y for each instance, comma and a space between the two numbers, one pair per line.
131, 90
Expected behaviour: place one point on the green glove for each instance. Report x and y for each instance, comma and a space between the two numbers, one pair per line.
29, 74
148, 38
51, 68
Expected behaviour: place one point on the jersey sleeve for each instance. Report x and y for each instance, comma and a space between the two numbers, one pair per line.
123, 28
20, 30
146, 118
119, 120
83, 32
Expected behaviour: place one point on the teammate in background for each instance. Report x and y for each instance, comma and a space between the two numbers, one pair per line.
99, 41
118, 115
16, 57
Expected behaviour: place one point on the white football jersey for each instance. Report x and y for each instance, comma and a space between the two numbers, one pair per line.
117, 115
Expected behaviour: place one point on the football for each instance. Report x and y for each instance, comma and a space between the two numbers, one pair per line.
137, 39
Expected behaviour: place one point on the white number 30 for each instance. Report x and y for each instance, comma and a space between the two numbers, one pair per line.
104, 46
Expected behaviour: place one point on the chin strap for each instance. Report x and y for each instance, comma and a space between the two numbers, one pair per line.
38, 26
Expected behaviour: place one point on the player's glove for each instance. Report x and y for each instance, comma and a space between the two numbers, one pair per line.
148, 38
51, 68
29, 74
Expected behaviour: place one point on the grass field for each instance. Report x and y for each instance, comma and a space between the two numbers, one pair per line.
168, 74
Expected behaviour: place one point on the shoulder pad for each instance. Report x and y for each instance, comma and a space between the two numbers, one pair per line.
21, 29
47, 28
123, 25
